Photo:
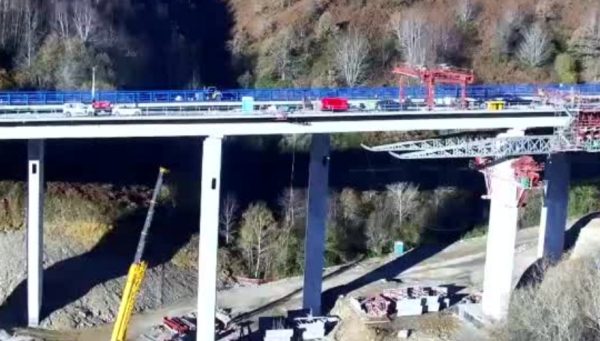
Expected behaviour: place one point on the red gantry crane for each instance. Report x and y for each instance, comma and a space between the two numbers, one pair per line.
438, 75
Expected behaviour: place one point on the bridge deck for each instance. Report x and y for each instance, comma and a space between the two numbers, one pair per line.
261, 123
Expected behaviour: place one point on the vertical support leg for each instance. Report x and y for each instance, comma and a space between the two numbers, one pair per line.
35, 221
554, 208
316, 220
502, 232
208, 244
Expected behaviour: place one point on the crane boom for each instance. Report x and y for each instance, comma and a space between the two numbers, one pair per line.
137, 270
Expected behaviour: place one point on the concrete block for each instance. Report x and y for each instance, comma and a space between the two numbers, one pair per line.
312, 330
409, 307
432, 303
279, 335
404, 334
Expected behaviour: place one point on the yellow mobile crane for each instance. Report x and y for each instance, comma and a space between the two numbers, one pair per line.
137, 270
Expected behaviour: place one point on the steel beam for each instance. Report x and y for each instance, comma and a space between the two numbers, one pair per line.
35, 229
316, 220
209, 237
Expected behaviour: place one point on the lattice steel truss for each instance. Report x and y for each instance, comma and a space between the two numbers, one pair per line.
410, 146
491, 147
563, 139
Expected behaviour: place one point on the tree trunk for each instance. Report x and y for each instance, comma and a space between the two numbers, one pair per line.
257, 269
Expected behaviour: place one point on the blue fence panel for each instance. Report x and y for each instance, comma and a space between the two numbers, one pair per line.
289, 94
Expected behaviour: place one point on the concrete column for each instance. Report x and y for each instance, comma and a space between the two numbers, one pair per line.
35, 232
501, 237
209, 237
554, 207
316, 220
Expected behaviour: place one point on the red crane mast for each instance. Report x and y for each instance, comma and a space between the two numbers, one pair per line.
431, 77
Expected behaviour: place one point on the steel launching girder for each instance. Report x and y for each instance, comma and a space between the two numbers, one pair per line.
492, 147
409, 146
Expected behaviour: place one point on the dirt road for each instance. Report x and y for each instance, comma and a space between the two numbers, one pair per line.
460, 264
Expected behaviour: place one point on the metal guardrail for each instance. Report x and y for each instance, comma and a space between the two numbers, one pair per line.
509, 91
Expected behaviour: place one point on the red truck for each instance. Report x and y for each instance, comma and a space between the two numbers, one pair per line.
334, 104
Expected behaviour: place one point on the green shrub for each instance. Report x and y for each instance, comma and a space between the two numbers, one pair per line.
476, 232
529, 216
583, 199
565, 68
81, 213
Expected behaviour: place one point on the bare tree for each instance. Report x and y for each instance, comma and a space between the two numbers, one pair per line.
507, 30
349, 204
351, 52
281, 53
535, 49
379, 224
258, 235
293, 207
62, 20
465, 10
31, 34
585, 44
228, 217
404, 198
415, 38
85, 20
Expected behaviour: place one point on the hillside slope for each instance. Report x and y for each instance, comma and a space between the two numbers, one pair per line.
297, 42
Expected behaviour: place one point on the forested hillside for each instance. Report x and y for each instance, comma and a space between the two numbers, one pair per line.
46, 44
348, 42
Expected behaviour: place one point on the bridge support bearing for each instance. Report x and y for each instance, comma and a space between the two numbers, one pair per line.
209, 238
501, 238
35, 230
314, 247
554, 208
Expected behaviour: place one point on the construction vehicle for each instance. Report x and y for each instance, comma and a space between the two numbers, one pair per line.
137, 270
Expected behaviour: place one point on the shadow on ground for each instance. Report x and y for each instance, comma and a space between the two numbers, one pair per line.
71, 279
387, 271
534, 274
274, 303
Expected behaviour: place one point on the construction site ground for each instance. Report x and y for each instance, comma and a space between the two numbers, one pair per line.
459, 265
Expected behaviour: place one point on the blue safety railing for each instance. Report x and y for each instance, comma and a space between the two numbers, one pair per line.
292, 94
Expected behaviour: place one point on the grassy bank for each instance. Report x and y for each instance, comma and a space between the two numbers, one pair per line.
82, 213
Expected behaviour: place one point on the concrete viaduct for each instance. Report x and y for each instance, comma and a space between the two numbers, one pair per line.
214, 127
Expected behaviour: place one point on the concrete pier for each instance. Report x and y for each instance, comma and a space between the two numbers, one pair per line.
501, 238
316, 220
209, 237
554, 207
35, 229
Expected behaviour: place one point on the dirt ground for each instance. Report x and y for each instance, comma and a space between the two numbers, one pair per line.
460, 265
